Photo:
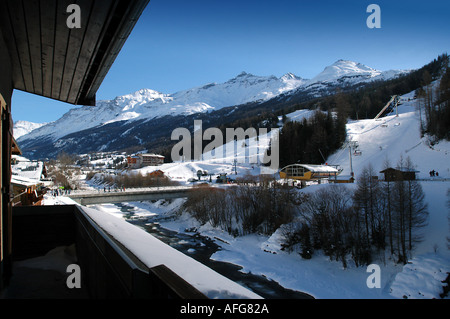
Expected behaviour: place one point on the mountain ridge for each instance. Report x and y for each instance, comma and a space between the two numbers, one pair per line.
24, 127
147, 105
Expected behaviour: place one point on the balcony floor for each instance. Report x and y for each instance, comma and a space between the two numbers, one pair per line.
29, 283
43, 278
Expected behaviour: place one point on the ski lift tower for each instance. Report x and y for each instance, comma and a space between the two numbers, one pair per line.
395, 100
351, 164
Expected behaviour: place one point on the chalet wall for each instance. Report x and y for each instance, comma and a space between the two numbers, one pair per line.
6, 90
6, 87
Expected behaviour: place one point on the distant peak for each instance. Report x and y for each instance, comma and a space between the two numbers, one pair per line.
342, 62
351, 64
290, 76
347, 68
146, 92
243, 73
142, 93
243, 76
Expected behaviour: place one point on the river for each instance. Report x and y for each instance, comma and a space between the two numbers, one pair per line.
201, 248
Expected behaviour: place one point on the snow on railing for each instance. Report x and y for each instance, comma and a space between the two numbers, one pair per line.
106, 190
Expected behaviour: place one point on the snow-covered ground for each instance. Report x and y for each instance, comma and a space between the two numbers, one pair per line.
388, 138
320, 277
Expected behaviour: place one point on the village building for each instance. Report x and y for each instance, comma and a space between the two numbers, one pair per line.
146, 159
156, 174
151, 159
132, 161
399, 174
343, 179
35, 170
27, 191
27, 180
308, 172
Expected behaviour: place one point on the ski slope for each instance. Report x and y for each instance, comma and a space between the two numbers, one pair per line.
390, 138
248, 155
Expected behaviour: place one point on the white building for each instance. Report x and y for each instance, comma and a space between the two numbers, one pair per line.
145, 159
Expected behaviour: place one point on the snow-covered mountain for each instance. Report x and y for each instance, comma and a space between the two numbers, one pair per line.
146, 105
24, 127
352, 72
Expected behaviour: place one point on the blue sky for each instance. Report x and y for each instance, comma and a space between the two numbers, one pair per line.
180, 44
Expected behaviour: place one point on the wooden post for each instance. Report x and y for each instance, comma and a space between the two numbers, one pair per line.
2, 106
351, 164
5, 177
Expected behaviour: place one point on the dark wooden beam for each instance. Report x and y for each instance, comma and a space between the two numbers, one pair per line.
48, 17
33, 31
62, 33
73, 51
122, 20
19, 36
8, 35
52, 60
94, 26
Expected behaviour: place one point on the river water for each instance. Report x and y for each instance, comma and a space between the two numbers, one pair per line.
202, 248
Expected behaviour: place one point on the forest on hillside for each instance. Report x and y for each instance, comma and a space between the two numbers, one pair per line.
434, 106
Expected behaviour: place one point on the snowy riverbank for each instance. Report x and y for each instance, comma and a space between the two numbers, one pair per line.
320, 277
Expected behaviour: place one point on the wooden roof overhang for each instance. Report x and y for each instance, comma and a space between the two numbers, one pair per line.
66, 64
15, 149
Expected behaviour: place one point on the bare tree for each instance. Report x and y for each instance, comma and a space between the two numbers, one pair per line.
387, 195
410, 212
368, 200
448, 204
